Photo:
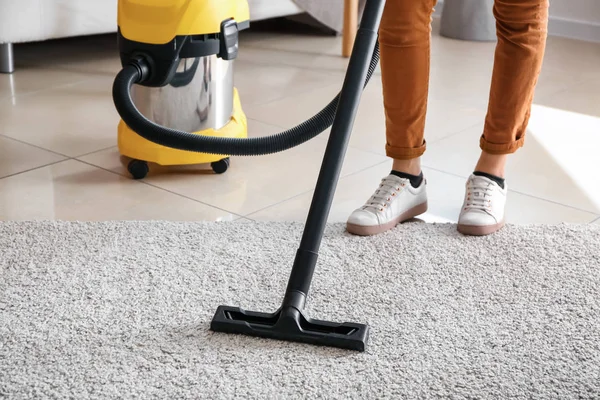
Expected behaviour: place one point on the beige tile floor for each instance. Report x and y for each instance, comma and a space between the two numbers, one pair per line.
59, 160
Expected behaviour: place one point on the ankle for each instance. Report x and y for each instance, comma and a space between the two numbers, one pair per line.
500, 181
412, 166
415, 180
492, 164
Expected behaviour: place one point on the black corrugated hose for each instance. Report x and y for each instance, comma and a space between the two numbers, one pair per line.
137, 71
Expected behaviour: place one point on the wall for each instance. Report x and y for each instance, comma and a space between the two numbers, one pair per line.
578, 19
577, 10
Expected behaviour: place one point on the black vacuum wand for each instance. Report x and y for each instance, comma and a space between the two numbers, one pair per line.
289, 322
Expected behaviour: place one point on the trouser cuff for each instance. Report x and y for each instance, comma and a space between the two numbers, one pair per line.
405, 153
500, 148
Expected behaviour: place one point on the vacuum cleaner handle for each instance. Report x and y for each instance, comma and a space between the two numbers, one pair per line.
290, 322
350, 96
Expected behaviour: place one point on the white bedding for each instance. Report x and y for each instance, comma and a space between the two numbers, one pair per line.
265, 9
37, 20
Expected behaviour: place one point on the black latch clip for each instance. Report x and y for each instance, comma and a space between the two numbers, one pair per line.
229, 40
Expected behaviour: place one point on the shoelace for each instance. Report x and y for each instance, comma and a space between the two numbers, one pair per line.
388, 189
477, 195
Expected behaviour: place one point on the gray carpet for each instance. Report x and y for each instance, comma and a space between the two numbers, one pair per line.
121, 310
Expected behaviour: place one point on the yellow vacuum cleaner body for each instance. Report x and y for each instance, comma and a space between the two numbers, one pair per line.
191, 46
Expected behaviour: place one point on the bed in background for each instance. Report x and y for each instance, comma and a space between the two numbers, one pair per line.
23, 21
265, 9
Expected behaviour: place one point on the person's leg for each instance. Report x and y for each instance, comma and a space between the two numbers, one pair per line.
522, 28
405, 42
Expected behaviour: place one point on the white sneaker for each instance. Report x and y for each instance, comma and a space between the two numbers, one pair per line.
483, 207
395, 201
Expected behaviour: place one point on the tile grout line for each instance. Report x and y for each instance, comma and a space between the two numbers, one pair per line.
300, 52
457, 132
516, 191
595, 220
36, 168
383, 155
311, 190
303, 92
242, 218
143, 182
553, 202
35, 146
93, 152
291, 65
276, 204
34, 92
66, 157
330, 72
194, 200
265, 123
575, 85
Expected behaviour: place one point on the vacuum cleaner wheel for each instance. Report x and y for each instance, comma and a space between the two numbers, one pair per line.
221, 166
138, 169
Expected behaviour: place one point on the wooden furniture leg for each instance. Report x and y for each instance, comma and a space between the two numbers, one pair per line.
350, 26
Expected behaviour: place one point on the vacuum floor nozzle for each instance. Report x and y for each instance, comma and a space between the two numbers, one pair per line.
289, 324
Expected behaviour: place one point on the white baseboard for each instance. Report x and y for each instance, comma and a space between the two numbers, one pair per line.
563, 27
582, 30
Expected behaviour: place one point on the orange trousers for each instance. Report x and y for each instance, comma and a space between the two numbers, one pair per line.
405, 39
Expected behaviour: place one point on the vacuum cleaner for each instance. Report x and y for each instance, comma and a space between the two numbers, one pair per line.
178, 105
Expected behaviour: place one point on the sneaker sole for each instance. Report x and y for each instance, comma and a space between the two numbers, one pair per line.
474, 230
361, 230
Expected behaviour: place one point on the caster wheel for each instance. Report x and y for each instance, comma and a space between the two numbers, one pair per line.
221, 166
138, 169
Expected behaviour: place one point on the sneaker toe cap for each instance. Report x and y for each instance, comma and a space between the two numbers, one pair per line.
477, 218
363, 218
